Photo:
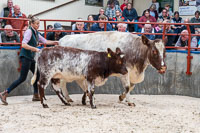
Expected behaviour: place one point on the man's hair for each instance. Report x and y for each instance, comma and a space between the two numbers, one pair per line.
102, 17
122, 24
197, 12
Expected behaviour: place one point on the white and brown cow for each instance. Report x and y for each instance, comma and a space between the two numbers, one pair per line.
89, 68
139, 53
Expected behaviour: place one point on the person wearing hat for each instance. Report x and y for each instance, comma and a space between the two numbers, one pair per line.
56, 35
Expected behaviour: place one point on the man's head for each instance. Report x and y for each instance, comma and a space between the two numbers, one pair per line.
129, 6
10, 3
102, 18
186, 20
80, 25
184, 37
10, 31
164, 12
112, 4
101, 11
147, 28
197, 13
117, 12
122, 27
17, 10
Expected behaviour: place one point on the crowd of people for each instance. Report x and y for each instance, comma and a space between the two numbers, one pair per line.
113, 12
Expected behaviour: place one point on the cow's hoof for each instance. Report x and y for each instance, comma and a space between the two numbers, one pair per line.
84, 102
131, 104
67, 104
93, 107
121, 97
70, 100
45, 106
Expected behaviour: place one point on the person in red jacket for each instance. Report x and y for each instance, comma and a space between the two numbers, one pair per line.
146, 18
124, 5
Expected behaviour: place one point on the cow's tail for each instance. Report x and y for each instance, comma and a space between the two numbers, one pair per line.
33, 79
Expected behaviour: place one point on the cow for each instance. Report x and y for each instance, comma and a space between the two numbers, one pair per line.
139, 51
83, 66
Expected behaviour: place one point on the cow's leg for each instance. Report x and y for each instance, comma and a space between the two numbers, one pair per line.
56, 87
91, 95
64, 90
84, 98
128, 95
126, 84
82, 84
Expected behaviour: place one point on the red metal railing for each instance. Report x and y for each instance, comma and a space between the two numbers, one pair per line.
189, 57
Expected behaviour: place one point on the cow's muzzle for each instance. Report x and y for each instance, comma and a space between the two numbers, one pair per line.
162, 70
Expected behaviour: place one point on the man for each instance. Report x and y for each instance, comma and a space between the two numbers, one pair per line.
101, 12
118, 17
9, 36
6, 11
100, 26
196, 19
79, 26
55, 36
17, 24
163, 16
121, 27
183, 40
184, 27
111, 10
148, 29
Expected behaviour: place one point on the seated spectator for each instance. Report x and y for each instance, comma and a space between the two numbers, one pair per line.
101, 12
169, 12
49, 27
159, 26
118, 17
116, 2
122, 27
169, 38
148, 29
79, 27
17, 24
89, 24
184, 27
163, 16
153, 12
124, 5
56, 36
146, 17
110, 11
100, 26
9, 36
6, 11
156, 4
176, 28
183, 40
130, 14
196, 19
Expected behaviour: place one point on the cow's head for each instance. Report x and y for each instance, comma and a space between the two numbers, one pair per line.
156, 53
117, 62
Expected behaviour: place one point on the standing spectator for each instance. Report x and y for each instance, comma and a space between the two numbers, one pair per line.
27, 53
148, 29
118, 17
153, 12
176, 28
130, 14
122, 27
57, 35
155, 3
183, 40
6, 11
169, 38
9, 36
101, 12
146, 17
89, 24
163, 16
17, 24
116, 2
110, 11
124, 5
79, 27
100, 26
196, 19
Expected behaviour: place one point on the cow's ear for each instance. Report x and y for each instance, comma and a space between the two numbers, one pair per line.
118, 50
145, 40
110, 53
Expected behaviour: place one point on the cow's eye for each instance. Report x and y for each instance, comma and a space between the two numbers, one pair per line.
119, 62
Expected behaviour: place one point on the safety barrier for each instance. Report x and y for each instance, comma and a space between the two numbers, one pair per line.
189, 57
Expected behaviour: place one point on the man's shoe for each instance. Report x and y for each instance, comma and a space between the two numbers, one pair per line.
3, 96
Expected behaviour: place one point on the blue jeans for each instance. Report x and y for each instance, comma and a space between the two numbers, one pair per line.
27, 65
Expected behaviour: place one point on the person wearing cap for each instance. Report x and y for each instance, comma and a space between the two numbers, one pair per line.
56, 35
100, 26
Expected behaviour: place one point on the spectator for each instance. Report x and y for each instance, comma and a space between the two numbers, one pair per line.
163, 15
156, 4
130, 14
116, 2
183, 40
184, 27
169, 12
49, 27
117, 18
196, 19
159, 27
169, 38
124, 5
146, 17
17, 24
79, 27
122, 27
6, 11
110, 11
101, 12
89, 24
9, 36
153, 12
100, 26
176, 28
148, 29
55, 36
